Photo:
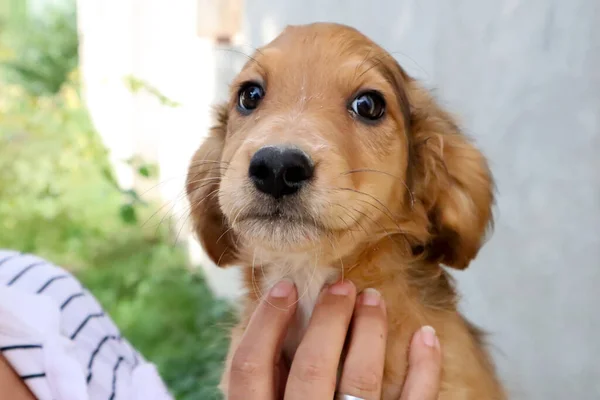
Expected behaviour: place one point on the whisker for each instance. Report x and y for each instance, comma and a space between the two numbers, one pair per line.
371, 219
257, 291
410, 193
222, 254
174, 203
411, 59
312, 277
242, 209
211, 179
338, 255
348, 228
165, 180
375, 64
224, 233
230, 50
387, 211
170, 211
185, 216
359, 66
205, 161
181, 228
383, 53
162, 182
400, 230
208, 162
368, 195
351, 216
262, 270
183, 192
154, 213
262, 296
197, 204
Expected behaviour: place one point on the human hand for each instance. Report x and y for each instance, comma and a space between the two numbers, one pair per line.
259, 373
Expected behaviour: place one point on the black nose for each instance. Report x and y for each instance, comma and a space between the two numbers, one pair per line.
280, 171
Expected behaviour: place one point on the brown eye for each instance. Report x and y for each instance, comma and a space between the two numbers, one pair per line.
249, 97
368, 105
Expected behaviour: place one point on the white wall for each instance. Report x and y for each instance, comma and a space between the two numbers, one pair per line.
525, 78
155, 41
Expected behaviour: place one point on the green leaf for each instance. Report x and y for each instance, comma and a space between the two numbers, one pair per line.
128, 214
136, 85
109, 175
148, 170
144, 171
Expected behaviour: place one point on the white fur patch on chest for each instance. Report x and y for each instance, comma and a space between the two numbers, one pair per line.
309, 281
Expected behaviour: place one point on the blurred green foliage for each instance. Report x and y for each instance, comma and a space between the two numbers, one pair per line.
40, 62
59, 199
54, 192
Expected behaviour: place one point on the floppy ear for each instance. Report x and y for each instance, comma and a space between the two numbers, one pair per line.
202, 186
451, 180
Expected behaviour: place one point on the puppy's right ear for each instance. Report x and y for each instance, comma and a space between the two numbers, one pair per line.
202, 186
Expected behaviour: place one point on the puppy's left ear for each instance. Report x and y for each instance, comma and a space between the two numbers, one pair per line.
451, 182
202, 187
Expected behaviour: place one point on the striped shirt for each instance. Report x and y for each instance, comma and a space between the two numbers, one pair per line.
58, 339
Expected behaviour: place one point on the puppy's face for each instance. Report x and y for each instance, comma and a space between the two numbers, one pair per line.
315, 140
326, 143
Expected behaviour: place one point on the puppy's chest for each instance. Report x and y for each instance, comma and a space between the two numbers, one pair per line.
309, 282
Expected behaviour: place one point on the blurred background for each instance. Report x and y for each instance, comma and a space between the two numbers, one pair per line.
102, 104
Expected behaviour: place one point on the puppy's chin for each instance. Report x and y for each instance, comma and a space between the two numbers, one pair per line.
279, 234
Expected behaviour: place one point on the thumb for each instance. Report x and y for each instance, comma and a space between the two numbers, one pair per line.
424, 366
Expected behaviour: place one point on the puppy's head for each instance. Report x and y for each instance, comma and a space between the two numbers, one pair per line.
326, 143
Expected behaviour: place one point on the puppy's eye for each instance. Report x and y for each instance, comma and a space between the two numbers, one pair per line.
249, 97
368, 105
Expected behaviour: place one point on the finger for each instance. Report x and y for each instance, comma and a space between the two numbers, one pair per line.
424, 366
252, 371
363, 369
314, 369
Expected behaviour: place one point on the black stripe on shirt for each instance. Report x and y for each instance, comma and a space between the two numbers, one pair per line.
95, 353
114, 380
7, 259
24, 271
33, 376
21, 347
71, 297
49, 282
85, 321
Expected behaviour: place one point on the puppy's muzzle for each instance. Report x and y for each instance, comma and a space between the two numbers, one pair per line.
280, 171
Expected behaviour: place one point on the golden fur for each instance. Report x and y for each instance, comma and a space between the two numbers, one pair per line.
389, 202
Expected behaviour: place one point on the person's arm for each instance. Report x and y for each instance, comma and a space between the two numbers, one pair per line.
11, 386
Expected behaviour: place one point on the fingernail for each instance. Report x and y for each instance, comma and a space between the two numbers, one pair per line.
370, 297
428, 336
282, 289
341, 288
